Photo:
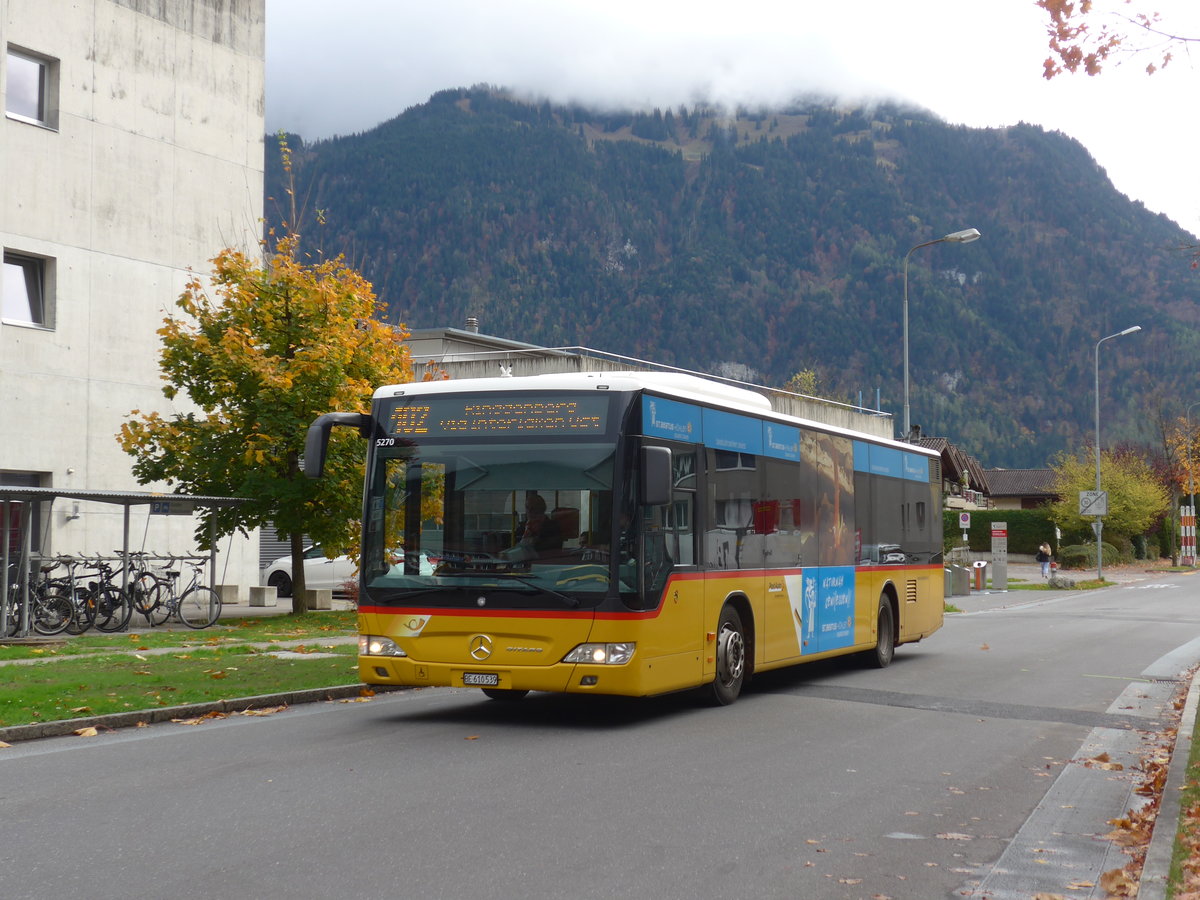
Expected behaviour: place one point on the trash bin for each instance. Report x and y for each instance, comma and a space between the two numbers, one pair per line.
980, 566
961, 581
949, 589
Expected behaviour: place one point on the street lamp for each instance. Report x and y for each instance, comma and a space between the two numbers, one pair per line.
958, 237
1098, 526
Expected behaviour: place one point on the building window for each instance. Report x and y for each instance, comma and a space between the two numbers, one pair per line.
24, 289
31, 88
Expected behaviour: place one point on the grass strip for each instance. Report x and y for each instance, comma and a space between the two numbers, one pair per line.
311, 626
1183, 876
98, 685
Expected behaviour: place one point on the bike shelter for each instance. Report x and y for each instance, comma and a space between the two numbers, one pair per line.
17, 523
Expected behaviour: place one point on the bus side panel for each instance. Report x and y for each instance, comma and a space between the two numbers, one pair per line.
670, 642
923, 616
869, 582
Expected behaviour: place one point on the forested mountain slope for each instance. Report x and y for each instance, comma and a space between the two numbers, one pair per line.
776, 240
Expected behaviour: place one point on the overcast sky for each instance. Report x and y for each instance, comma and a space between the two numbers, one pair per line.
345, 66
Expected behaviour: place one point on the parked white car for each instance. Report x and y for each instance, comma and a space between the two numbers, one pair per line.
320, 572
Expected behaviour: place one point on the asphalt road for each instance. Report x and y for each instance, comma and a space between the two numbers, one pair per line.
965, 769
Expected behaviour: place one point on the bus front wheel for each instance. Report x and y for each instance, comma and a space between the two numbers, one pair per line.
885, 637
731, 658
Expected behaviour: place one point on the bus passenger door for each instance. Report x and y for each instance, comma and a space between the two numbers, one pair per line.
672, 632
734, 545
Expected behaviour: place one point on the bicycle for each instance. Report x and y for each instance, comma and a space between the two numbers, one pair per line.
143, 586
100, 603
49, 605
196, 606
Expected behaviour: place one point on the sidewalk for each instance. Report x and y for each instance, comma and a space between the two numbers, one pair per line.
1153, 882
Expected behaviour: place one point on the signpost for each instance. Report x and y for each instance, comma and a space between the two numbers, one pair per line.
1000, 556
1095, 503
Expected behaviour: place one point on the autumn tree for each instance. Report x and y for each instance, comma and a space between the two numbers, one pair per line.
1087, 35
1182, 435
278, 342
1136, 497
806, 382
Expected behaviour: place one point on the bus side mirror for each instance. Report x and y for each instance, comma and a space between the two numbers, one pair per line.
316, 440
656, 476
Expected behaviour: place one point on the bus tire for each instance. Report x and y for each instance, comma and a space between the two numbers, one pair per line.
730, 658
504, 694
885, 637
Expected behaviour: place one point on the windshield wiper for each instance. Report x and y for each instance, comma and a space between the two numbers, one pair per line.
572, 602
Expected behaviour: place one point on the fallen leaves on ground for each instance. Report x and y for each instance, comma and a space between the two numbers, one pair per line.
1132, 832
264, 711
1120, 883
200, 720
1103, 761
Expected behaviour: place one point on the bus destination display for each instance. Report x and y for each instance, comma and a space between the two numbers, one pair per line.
470, 416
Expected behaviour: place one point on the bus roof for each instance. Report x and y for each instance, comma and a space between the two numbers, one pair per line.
677, 385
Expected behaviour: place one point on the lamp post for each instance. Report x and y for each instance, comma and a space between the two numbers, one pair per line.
958, 237
1099, 523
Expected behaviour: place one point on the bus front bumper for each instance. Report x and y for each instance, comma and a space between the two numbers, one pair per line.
561, 677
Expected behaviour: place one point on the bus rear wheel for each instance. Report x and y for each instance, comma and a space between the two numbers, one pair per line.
730, 658
885, 638
504, 694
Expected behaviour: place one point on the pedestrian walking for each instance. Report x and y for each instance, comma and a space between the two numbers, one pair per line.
1044, 557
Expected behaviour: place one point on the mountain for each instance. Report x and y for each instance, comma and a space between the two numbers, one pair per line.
775, 240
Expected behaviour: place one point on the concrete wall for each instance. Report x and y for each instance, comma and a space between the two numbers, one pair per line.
153, 164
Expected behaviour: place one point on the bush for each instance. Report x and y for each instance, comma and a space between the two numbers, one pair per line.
1083, 556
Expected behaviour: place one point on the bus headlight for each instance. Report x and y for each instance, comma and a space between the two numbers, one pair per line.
602, 654
374, 645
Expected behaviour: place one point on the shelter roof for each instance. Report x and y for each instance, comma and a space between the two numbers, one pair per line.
120, 498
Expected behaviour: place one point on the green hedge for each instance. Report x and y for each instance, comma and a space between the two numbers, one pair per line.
1083, 556
1027, 528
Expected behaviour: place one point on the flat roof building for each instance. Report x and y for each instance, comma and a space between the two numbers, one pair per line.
131, 149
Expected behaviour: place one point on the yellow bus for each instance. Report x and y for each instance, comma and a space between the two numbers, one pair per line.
629, 533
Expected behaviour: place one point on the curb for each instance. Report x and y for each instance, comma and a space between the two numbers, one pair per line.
1162, 841
112, 721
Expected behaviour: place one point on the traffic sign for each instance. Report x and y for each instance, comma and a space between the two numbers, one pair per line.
1093, 503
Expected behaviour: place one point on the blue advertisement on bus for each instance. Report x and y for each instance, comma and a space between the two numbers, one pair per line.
828, 608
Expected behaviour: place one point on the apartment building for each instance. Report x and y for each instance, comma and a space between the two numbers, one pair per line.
131, 152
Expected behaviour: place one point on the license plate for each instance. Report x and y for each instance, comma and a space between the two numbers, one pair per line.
484, 678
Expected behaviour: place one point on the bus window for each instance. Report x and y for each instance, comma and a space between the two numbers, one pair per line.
734, 487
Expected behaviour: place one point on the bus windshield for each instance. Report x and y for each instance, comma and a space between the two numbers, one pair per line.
531, 522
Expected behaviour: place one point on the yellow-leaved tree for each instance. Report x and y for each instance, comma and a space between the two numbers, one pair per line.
277, 343
1136, 496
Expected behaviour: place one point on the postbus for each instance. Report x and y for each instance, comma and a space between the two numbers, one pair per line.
629, 533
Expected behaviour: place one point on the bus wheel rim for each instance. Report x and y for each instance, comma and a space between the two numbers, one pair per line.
731, 655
